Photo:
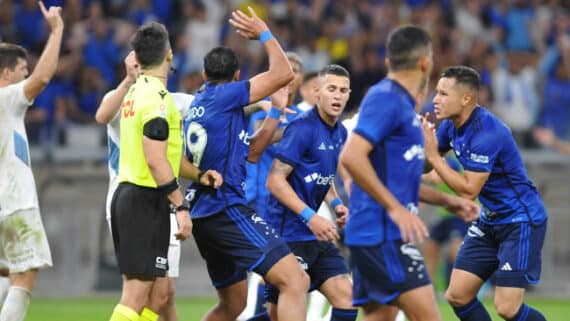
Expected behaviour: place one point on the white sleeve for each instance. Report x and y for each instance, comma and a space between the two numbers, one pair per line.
182, 101
12, 97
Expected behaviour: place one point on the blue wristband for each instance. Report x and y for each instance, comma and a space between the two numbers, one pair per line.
307, 213
274, 113
264, 36
336, 202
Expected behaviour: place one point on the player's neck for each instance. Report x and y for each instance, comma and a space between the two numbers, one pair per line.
464, 116
410, 80
160, 72
327, 119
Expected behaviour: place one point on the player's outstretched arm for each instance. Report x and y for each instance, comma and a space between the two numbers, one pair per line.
111, 103
47, 64
546, 137
464, 208
209, 177
354, 157
280, 72
279, 187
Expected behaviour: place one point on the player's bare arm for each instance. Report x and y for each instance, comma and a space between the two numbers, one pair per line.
284, 193
462, 207
209, 177
354, 157
339, 209
468, 184
280, 72
111, 103
263, 136
47, 63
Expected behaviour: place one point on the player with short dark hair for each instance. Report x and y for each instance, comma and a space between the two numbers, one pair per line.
301, 178
508, 237
24, 246
385, 157
149, 163
231, 237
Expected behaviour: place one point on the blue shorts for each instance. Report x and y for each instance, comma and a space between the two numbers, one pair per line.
321, 260
513, 250
236, 241
447, 229
382, 272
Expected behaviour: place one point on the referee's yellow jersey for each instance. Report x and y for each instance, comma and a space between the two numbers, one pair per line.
147, 99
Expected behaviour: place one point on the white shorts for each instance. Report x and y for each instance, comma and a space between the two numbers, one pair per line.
325, 211
23, 242
173, 247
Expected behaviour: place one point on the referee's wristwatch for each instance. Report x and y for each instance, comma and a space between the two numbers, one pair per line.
185, 206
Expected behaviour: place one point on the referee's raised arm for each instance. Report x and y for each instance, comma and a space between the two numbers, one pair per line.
280, 72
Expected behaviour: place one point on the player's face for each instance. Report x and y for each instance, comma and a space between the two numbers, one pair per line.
20, 71
333, 94
297, 78
447, 100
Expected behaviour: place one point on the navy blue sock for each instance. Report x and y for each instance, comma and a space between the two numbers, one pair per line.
343, 315
263, 316
259, 307
472, 311
527, 313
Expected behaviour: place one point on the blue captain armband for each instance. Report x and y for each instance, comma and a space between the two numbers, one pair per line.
274, 113
307, 214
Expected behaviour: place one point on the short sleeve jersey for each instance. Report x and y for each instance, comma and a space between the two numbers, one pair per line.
147, 99
17, 185
312, 148
485, 144
216, 137
387, 120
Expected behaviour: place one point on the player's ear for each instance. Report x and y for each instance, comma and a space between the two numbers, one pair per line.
204, 76
423, 63
236, 75
169, 55
387, 63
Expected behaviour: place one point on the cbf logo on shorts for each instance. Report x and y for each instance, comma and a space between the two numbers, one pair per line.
161, 263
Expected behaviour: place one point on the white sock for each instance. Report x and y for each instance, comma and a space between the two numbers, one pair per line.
401, 316
317, 303
16, 304
4, 286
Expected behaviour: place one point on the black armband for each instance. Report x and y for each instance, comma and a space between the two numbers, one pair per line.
156, 128
168, 187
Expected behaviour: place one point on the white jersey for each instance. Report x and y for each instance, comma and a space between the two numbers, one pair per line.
181, 101
17, 185
350, 123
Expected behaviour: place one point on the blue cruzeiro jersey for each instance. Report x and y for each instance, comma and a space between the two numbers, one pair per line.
215, 137
388, 121
485, 144
311, 147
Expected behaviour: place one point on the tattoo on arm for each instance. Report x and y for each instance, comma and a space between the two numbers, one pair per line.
281, 168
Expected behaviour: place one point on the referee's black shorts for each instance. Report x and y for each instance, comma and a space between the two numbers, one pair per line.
140, 224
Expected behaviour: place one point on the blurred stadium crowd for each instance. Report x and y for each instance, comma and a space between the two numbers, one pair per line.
520, 47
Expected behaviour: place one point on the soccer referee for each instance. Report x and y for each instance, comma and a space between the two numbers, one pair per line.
151, 149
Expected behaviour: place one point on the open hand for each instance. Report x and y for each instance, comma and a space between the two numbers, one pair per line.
247, 27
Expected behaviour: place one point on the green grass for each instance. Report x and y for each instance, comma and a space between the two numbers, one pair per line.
192, 309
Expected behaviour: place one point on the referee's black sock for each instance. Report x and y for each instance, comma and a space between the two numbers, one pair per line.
263, 316
472, 311
527, 313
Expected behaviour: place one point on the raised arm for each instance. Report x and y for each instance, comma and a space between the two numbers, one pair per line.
47, 63
111, 103
279, 73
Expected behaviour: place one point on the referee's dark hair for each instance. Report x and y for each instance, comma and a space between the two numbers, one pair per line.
333, 69
405, 46
463, 75
151, 43
220, 64
9, 54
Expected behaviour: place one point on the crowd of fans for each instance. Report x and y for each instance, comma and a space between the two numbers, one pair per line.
520, 47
